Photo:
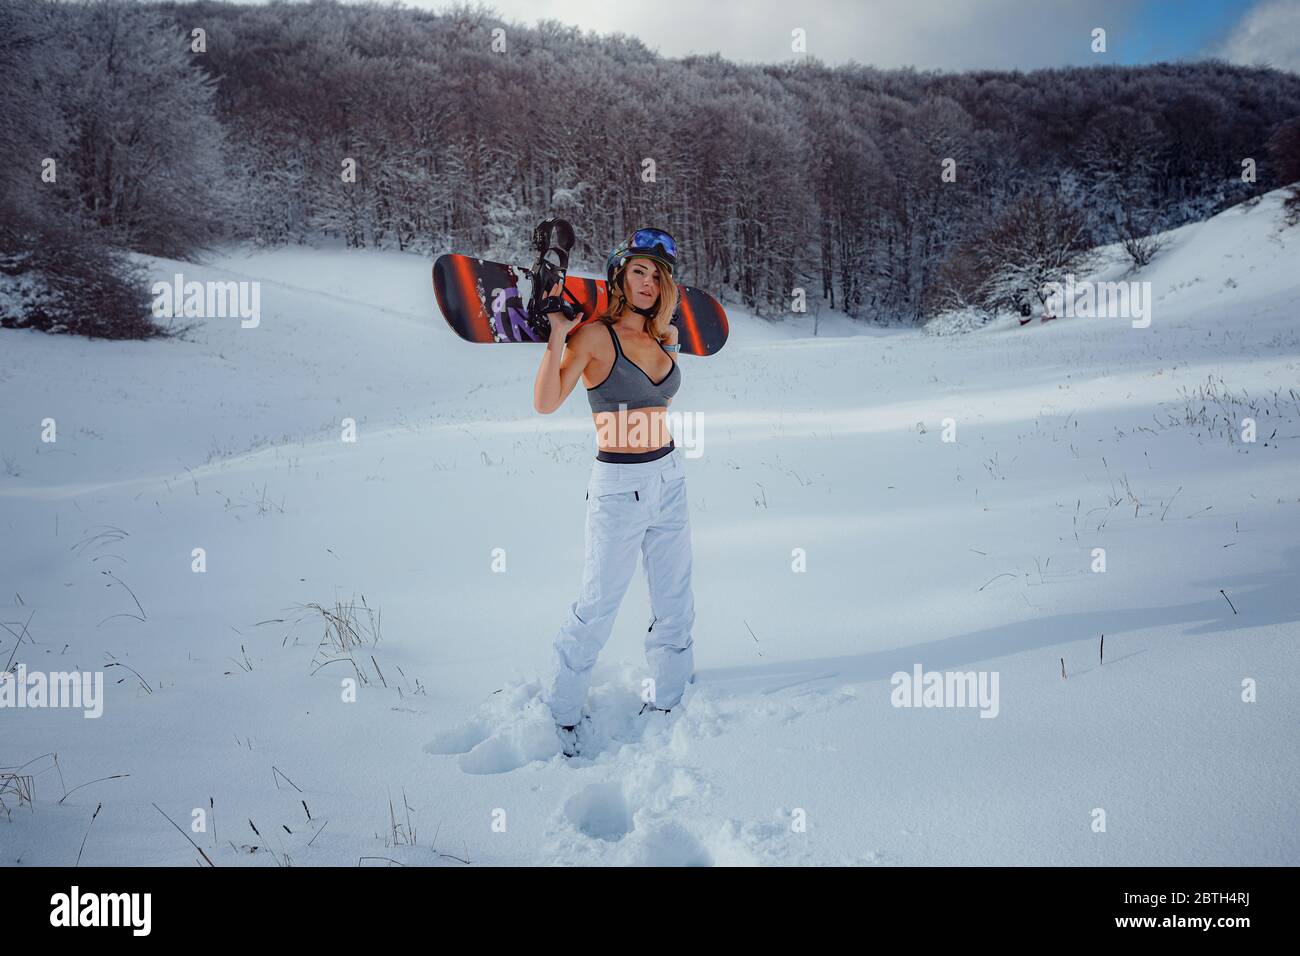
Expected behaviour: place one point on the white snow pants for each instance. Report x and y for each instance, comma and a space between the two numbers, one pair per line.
631, 506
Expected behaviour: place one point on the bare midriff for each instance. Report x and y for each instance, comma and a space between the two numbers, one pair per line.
634, 429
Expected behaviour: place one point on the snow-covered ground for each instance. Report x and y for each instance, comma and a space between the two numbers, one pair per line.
972, 555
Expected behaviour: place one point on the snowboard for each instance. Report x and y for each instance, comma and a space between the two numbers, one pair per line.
482, 302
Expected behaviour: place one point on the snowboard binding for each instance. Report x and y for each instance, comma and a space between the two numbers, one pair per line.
553, 240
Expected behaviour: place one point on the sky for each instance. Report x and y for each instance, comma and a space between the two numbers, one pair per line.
940, 34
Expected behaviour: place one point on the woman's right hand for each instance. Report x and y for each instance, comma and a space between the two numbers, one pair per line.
559, 321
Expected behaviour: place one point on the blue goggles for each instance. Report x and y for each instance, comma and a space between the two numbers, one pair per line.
654, 242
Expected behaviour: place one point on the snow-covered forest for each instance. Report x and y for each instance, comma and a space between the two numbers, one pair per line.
174, 126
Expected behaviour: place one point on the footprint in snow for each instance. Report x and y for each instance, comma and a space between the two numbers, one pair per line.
513, 729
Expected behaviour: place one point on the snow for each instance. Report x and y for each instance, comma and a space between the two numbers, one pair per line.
971, 555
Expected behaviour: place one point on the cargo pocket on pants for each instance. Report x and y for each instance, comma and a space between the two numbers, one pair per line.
633, 495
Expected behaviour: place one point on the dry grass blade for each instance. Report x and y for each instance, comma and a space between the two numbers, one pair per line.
184, 834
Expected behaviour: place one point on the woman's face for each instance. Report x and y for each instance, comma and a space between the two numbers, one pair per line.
641, 282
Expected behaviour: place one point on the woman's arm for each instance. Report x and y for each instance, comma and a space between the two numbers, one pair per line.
562, 364
672, 340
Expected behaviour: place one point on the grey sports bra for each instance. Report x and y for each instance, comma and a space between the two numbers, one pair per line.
628, 385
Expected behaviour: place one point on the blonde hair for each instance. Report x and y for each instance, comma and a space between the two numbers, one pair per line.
668, 296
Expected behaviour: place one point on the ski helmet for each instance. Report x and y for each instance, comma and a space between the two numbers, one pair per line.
655, 243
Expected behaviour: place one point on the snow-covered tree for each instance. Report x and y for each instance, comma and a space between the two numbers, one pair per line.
1037, 240
146, 157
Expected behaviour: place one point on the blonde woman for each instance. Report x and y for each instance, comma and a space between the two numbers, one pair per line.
636, 494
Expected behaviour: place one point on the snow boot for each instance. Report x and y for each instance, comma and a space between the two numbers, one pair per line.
568, 740
571, 735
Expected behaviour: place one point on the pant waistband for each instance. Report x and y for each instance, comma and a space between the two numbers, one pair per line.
633, 457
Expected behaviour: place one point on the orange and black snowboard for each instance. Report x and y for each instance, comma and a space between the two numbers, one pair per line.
482, 302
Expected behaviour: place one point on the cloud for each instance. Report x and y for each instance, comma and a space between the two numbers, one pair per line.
927, 34
1268, 34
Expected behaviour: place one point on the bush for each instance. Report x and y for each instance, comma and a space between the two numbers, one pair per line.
55, 279
957, 322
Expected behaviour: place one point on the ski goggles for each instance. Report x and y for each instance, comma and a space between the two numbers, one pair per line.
651, 242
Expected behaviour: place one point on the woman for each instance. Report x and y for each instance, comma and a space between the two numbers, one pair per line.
636, 495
